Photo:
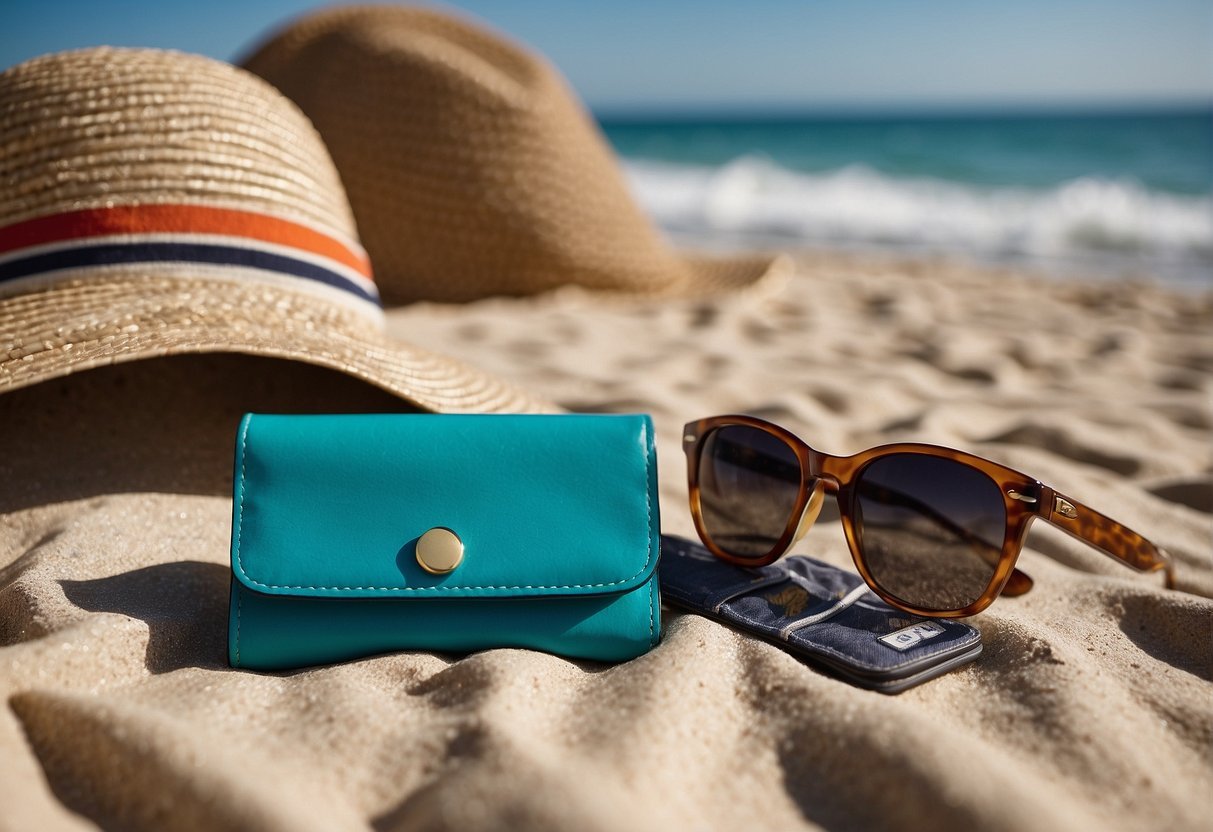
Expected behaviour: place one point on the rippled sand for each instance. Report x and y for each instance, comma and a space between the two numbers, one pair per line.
1090, 707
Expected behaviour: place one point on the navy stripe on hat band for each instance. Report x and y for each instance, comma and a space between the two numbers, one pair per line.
116, 253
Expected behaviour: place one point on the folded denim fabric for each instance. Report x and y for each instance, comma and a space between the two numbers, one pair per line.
817, 612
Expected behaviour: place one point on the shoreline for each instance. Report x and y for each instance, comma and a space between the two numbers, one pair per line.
1074, 270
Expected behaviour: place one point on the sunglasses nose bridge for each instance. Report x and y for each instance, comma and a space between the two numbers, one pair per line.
811, 510
818, 465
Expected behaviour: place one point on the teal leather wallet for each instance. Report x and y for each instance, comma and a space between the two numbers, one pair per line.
361, 534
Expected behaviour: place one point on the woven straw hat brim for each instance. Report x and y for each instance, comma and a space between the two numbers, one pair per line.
745, 274
133, 314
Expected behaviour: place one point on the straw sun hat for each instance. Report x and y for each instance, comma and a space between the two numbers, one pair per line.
471, 168
154, 203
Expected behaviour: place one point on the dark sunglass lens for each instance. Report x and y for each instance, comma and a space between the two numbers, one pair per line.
930, 529
748, 484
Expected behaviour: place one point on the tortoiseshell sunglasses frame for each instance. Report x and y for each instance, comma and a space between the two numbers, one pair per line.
1026, 499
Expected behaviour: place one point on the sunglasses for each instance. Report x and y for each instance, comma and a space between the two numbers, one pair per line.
933, 531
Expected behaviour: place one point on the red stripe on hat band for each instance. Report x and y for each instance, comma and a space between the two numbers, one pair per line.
177, 219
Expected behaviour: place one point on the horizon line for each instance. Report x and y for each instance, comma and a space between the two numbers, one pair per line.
877, 110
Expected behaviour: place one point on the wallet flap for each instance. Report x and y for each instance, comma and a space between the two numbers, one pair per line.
333, 506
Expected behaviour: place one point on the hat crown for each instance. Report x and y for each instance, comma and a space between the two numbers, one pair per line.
108, 126
439, 49
471, 167
169, 162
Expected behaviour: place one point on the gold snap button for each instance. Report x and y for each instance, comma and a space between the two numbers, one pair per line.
439, 551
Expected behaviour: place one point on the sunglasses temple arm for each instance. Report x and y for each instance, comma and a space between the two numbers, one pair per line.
1110, 537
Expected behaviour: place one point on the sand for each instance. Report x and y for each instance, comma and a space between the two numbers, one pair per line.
1091, 707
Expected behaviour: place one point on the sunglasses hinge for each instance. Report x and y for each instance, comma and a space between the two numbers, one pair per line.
1064, 507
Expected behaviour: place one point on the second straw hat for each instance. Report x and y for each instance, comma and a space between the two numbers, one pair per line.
471, 168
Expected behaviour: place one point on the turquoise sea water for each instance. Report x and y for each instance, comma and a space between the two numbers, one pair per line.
1117, 193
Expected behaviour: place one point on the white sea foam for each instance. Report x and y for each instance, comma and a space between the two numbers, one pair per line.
1085, 223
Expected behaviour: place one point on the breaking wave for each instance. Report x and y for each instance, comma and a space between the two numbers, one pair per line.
1085, 224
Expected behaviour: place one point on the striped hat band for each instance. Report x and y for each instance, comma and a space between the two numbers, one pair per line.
190, 240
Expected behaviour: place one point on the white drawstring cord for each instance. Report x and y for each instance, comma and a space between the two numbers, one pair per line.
839, 605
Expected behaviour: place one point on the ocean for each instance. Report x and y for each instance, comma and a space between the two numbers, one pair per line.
1118, 194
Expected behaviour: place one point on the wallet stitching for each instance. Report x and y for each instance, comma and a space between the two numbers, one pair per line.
650, 614
648, 505
730, 616
876, 668
654, 612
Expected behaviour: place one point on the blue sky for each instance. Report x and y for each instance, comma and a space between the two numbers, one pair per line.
628, 55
